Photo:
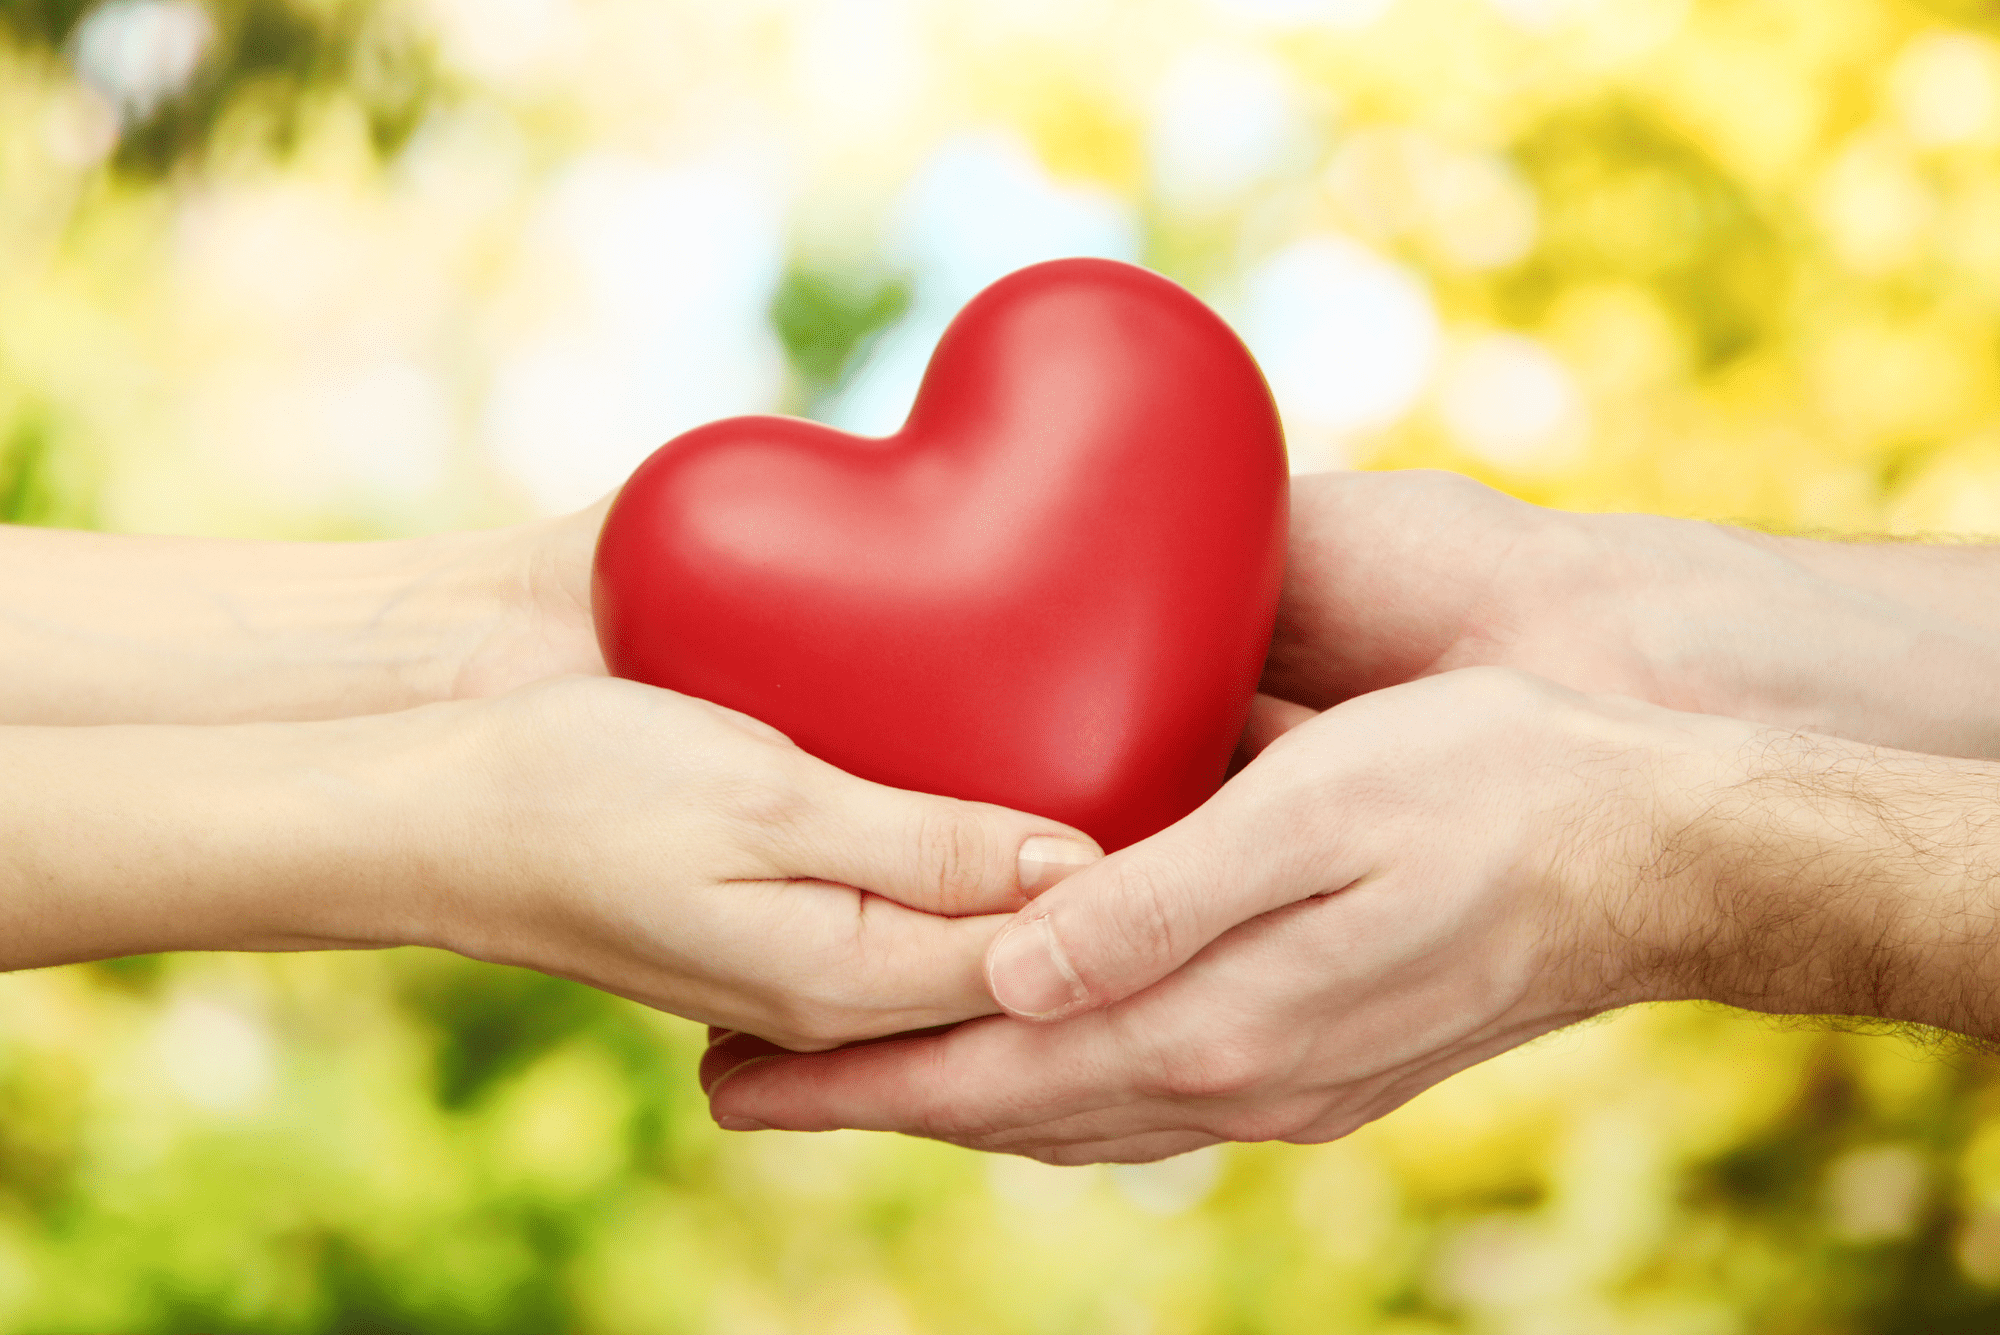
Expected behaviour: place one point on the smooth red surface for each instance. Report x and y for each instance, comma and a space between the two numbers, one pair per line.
1053, 589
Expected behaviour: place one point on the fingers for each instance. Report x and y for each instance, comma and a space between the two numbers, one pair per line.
1061, 1094
938, 854
838, 969
979, 1080
1126, 923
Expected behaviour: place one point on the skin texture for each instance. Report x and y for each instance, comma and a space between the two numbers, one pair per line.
1395, 576
1526, 801
1460, 853
97, 628
297, 746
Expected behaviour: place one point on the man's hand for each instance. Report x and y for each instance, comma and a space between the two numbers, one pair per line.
1394, 576
1416, 881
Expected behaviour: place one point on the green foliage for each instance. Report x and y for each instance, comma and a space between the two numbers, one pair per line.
273, 61
492, 1022
46, 23
1629, 198
39, 482
828, 321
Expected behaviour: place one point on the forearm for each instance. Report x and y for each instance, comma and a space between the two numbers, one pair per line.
127, 840
1958, 580
104, 629
1881, 643
1829, 877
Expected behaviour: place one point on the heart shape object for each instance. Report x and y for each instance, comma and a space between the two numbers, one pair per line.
1053, 589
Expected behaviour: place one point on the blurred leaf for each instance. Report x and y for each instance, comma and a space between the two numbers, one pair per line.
275, 60
35, 485
827, 322
45, 23
493, 1020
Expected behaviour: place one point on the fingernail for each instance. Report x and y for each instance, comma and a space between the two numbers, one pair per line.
1029, 973
740, 1124
723, 1036
1047, 858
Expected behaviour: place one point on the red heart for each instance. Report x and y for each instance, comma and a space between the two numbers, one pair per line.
1053, 589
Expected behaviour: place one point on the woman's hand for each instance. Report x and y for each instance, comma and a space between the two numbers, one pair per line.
691, 858
1418, 880
649, 844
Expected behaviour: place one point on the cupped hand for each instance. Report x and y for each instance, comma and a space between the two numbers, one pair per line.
690, 858
1391, 891
1393, 576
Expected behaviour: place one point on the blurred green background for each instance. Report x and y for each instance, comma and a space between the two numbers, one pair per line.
341, 268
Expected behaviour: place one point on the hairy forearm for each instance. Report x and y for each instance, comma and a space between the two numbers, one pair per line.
119, 840
105, 629
1835, 878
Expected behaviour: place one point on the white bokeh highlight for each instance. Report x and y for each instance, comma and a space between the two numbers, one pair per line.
506, 42
1346, 338
666, 274
1473, 208
1221, 121
1510, 401
138, 53
1302, 13
857, 65
1945, 87
215, 1056
1170, 1186
1040, 1188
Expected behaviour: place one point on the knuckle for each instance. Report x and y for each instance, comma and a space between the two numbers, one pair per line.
805, 1032
1275, 1122
1510, 692
814, 1020
959, 855
1147, 924
1212, 1072
761, 790
1501, 685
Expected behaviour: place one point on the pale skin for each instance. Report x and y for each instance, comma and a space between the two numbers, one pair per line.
212, 745
1516, 768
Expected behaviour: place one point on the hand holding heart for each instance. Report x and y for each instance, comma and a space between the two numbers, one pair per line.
1389, 893
1051, 592
690, 858
1426, 875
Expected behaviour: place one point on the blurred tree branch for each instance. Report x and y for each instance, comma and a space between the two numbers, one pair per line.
274, 58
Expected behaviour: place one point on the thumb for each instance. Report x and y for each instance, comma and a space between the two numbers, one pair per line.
1121, 925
